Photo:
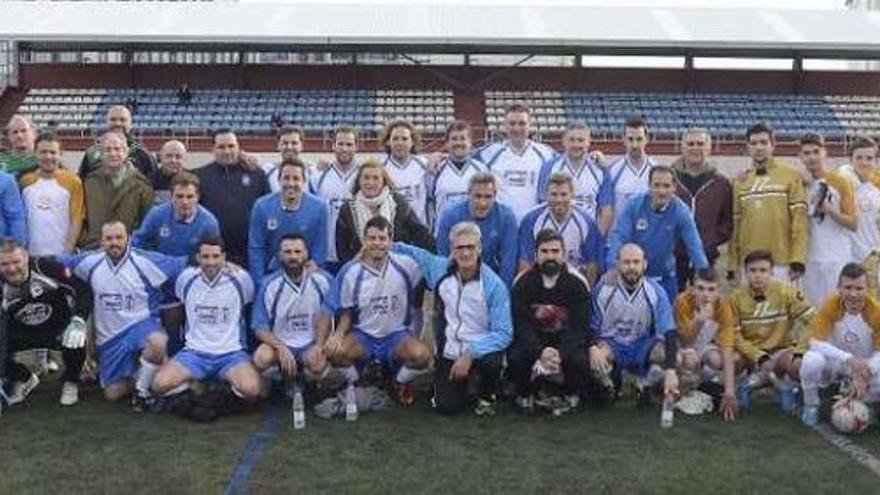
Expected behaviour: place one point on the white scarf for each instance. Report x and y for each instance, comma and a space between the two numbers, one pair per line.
363, 208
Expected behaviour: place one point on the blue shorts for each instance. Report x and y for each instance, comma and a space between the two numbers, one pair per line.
633, 357
118, 357
202, 365
381, 348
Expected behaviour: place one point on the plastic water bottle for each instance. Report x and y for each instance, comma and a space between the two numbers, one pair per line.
351, 407
299, 410
667, 414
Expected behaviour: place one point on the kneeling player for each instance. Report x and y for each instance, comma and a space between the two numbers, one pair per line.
372, 298
843, 344
285, 314
706, 338
768, 315
633, 319
44, 307
214, 296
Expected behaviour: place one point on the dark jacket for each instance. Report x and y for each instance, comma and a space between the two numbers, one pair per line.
128, 203
712, 204
571, 297
229, 192
407, 228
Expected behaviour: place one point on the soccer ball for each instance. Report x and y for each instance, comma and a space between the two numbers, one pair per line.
850, 415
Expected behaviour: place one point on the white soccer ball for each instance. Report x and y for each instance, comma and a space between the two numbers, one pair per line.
850, 416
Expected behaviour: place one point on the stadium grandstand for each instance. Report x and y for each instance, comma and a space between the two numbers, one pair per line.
188, 68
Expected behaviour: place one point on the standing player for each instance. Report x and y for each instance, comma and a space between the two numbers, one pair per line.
20, 159
172, 161
476, 313
592, 190
497, 224
769, 318
293, 210
706, 337
408, 171
126, 284
118, 121
372, 299
843, 343
583, 240
285, 316
833, 220
335, 183
290, 145
517, 161
633, 320
656, 221
629, 173
455, 170
215, 295
44, 307
769, 210
862, 172
53, 200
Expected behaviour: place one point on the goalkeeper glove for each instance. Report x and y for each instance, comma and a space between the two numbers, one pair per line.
74, 336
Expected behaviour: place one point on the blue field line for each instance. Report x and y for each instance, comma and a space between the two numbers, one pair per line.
254, 451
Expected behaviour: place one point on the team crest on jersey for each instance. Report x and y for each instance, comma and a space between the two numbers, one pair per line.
34, 314
36, 290
164, 231
272, 223
246, 180
642, 224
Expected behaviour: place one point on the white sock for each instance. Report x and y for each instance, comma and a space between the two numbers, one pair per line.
811, 396
655, 375
350, 373
407, 374
183, 387
144, 377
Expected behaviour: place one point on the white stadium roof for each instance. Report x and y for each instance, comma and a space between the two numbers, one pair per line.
460, 27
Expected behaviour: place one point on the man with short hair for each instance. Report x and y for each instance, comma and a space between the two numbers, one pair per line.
286, 314
229, 189
118, 121
636, 331
592, 189
843, 342
498, 227
116, 191
291, 139
293, 210
334, 184
372, 301
53, 201
583, 240
172, 161
769, 210
862, 172
214, 295
516, 161
706, 337
709, 195
628, 174
833, 220
454, 171
769, 317
551, 325
126, 283
656, 221
476, 321
44, 307
20, 158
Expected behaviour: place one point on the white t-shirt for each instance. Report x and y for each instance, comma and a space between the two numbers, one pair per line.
334, 185
215, 322
411, 182
517, 172
627, 181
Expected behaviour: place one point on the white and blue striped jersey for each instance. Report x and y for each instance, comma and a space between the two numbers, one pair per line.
411, 181
582, 238
451, 183
517, 173
379, 300
289, 309
592, 189
627, 181
215, 317
335, 186
625, 317
128, 292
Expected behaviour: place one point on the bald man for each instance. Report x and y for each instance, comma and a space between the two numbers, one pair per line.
20, 137
172, 160
116, 191
119, 120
